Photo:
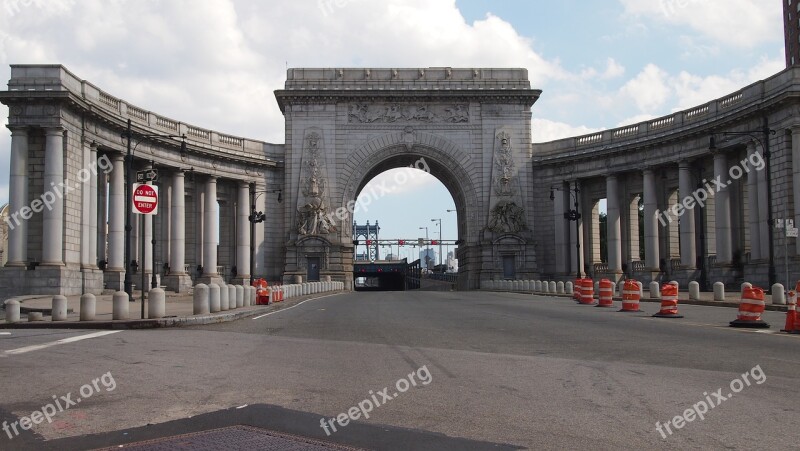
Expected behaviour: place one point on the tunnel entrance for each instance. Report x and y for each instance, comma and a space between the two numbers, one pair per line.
398, 275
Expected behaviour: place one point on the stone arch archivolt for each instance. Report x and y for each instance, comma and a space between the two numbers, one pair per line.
446, 161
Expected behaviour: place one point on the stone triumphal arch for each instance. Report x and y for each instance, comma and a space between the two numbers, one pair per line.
470, 128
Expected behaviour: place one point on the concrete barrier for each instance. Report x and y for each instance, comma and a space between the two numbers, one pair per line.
569, 288
119, 305
88, 311
224, 304
560, 288
239, 296
537, 286
597, 287
156, 303
655, 290
12, 311
201, 301
694, 291
614, 288
546, 287
213, 297
232, 304
719, 291
778, 294
59, 308
553, 287
251, 298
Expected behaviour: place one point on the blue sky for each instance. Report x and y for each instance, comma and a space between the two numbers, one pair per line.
215, 63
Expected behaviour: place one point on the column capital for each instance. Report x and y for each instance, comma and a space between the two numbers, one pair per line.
56, 130
18, 130
795, 129
685, 163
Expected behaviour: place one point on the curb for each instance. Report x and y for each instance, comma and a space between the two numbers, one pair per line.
174, 321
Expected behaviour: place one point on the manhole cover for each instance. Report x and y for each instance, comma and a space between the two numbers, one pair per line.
234, 438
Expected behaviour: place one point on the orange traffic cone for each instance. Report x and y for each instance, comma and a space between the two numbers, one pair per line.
587, 292
576, 290
630, 296
669, 302
750, 310
791, 315
606, 295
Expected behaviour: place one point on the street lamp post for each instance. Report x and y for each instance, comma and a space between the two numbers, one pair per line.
427, 247
440, 239
765, 132
257, 217
573, 215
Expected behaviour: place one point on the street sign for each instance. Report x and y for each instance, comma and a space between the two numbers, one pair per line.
148, 175
791, 233
145, 199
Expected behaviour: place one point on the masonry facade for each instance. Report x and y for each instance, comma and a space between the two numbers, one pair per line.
516, 201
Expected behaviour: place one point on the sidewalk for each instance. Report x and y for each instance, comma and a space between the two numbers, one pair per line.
179, 312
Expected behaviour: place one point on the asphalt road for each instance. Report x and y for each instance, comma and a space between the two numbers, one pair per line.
504, 370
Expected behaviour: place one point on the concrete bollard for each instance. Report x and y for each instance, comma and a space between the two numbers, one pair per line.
213, 297
537, 286
655, 290
239, 296
251, 299
201, 301
156, 303
546, 287
232, 297
35, 316
12, 311
560, 288
553, 286
59, 308
614, 289
719, 291
526, 285
569, 288
298, 280
88, 307
745, 285
694, 291
641, 289
119, 305
224, 304
778, 294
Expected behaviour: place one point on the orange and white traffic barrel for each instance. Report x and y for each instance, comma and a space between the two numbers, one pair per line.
791, 314
631, 295
587, 291
669, 302
750, 310
576, 291
606, 295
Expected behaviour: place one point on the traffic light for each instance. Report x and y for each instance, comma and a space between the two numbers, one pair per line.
369, 242
401, 242
434, 242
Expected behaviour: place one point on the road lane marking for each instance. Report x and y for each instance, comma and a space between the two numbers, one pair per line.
296, 305
31, 348
5, 333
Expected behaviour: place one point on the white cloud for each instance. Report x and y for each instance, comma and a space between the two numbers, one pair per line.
544, 130
737, 23
649, 89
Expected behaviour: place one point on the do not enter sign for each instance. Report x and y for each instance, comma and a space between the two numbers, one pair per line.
145, 199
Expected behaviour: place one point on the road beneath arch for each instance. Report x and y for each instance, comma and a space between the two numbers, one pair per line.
524, 371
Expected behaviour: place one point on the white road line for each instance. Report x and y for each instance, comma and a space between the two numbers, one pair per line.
297, 305
5, 333
31, 348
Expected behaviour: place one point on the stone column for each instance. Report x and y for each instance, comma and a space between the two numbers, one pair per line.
687, 227
243, 233
93, 205
53, 217
795, 179
752, 202
88, 209
722, 209
178, 280
763, 211
18, 198
101, 221
561, 228
210, 233
116, 215
613, 231
652, 219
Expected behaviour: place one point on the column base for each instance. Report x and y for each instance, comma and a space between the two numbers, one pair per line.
179, 283
12, 281
211, 278
243, 280
52, 280
114, 280
93, 281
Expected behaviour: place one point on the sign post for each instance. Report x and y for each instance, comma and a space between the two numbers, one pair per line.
145, 202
